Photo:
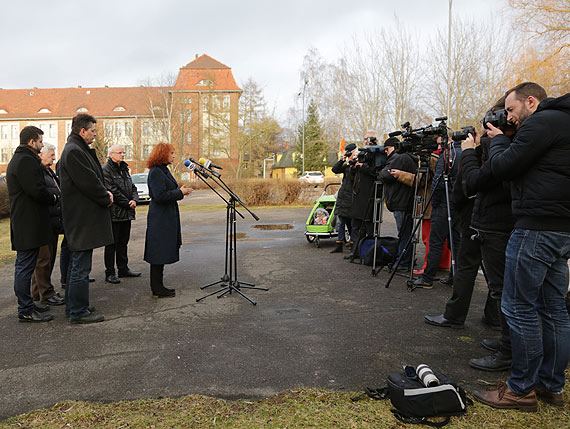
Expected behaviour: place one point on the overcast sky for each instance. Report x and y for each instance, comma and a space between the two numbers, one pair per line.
56, 43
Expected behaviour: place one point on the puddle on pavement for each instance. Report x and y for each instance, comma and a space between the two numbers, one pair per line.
277, 226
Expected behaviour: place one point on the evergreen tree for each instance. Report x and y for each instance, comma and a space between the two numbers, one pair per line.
315, 144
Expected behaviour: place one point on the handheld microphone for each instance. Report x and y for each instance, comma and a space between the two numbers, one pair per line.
208, 164
203, 169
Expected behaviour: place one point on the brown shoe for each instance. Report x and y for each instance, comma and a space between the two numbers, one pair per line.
507, 399
551, 398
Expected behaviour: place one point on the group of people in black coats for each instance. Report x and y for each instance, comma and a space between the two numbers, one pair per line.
92, 206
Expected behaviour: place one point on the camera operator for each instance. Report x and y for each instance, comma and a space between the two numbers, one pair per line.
399, 196
361, 211
536, 270
344, 196
439, 231
489, 228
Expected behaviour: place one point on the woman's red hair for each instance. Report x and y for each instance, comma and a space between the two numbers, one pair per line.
160, 155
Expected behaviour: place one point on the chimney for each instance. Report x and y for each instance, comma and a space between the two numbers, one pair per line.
196, 56
79, 86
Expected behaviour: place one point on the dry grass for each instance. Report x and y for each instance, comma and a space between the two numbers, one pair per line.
297, 408
4, 201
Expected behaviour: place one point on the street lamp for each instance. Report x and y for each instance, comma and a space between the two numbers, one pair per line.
303, 132
449, 64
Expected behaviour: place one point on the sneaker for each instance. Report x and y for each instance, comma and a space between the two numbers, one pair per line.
34, 316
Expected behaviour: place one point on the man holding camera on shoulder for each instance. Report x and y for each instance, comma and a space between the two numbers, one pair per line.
362, 191
399, 196
536, 271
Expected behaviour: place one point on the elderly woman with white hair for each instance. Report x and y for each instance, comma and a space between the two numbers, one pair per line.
42, 287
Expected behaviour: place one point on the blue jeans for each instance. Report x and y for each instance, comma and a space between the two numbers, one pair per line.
24, 269
77, 291
342, 224
536, 283
404, 224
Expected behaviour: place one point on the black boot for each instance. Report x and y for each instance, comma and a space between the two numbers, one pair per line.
338, 248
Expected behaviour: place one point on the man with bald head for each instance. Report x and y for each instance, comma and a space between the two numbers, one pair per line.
125, 197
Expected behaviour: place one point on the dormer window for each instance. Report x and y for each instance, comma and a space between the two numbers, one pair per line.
3, 112
205, 82
81, 110
119, 109
44, 110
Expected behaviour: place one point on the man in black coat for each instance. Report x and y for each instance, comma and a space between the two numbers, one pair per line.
536, 271
399, 196
344, 197
125, 197
362, 208
86, 218
42, 287
29, 216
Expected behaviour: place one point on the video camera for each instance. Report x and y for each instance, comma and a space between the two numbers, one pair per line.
422, 140
374, 156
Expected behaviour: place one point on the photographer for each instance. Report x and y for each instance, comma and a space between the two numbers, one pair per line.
399, 196
362, 190
536, 270
344, 196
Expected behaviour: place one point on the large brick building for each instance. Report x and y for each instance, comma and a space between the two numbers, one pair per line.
198, 114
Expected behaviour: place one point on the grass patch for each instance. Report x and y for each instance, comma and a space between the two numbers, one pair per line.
297, 408
6, 252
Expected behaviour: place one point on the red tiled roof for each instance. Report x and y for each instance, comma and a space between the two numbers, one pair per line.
196, 75
64, 102
101, 102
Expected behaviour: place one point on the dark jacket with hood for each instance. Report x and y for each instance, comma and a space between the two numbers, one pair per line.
492, 208
118, 181
29, 200
399, 196
537, 163
344, 197
84, 198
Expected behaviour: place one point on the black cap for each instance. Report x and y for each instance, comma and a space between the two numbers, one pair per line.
392, 141
350, 147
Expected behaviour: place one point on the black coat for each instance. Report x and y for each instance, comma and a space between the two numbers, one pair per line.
492, 208
399, 196
118, 181
52, 184
438, 193
84, 198
538, 167
344, 196
163, 235
363, 192
29, 200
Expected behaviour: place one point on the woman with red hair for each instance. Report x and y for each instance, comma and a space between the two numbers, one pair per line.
163, 236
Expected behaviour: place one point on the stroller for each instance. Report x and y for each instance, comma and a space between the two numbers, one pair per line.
322, 219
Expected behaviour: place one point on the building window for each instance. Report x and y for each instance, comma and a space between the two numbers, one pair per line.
119, 109
108, 129
205, 82
5, 132
52, 130
226, 102
145, 128
14, 131
128, 152
147, 149
188, 138
68, 128
128, 129
82, 110
206, 103
3, 112
118, 129
4, 155
44, 110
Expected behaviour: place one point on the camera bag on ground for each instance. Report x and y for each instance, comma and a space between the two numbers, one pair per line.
386, 250
414, 402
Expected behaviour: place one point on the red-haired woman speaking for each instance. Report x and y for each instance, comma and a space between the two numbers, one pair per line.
163, 236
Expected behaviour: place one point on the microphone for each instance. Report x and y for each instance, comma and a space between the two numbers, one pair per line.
208, 164
198, 171
203, 169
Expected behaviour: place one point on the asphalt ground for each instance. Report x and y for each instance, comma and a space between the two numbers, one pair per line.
323, 323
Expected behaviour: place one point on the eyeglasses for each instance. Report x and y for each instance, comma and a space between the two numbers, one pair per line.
120, 153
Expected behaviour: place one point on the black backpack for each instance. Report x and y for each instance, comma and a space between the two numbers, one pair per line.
386, 251
414, 402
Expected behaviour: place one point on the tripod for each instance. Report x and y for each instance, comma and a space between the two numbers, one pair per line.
229, 281
445, 177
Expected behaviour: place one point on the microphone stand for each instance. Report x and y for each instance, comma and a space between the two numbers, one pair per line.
229, 281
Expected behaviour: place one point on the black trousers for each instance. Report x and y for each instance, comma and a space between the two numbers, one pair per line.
439, 232
356, 234
469, 258
118, 250
156, 278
